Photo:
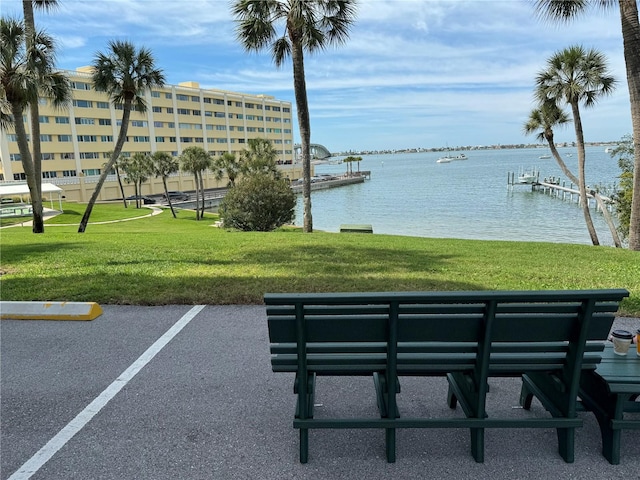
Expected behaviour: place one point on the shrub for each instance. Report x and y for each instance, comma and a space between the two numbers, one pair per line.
258, 202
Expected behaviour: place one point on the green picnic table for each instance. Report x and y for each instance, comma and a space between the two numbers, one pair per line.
610, 392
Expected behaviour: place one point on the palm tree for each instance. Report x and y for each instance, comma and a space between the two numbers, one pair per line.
137, 170
196, 160
26, 74
227, 164
164, 164
124, 73
543, 120
119, 164
309, 25
573, 76
567, 9
34, 108
260, 157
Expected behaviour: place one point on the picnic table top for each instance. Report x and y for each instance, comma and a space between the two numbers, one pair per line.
622, 373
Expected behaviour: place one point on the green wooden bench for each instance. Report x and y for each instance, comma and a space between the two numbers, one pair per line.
548, 337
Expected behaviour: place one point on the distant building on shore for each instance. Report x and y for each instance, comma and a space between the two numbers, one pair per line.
76, 141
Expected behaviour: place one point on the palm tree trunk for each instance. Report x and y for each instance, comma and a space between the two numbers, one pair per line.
584, 201
34, 113
304, 125
202, 194
122, 135
195, 175
166, 192
631, 41
27, 165
124, 200
607, 218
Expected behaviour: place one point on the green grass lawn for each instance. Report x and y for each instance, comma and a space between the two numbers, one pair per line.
161, 260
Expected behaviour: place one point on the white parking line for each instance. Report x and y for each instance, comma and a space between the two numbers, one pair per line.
41, 457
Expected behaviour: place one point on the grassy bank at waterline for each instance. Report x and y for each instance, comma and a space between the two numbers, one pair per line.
161, 260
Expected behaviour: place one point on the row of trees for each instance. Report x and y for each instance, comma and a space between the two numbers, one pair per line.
565, 10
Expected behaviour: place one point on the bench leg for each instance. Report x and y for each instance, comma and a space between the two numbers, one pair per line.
304, 445
452, 401
391, 444
566, 443
477, 444
526, 397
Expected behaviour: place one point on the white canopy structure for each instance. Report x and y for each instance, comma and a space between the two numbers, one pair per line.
22, 190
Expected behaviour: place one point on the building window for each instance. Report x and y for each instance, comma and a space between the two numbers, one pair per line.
183, 111
267, 107
140, 139
67, 156
87, 138
160, 139
195, 112
43, 119
248, 105
172, 139
85, 121
287, 120
139, 123
62, 119
89, 155
219, 114
182, 98
198, 140
156, 109
195, 99
80, 86
49, 174
42, 101
91, 171
219, 101
83, 103
46, 156
185, 125
167, 95
15, 157
221, 140
158, 124
206, 100
46, 138
171, 125
104, 121
103, 104
169, 109
155, 94
106, 138
286, 109
220, 127
69, 173
19, 176
186, 139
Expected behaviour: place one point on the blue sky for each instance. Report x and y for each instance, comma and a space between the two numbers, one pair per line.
413, 74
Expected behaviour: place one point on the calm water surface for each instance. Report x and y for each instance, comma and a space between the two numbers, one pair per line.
412, 195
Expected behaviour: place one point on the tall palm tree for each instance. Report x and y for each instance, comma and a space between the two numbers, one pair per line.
164, 164
124, 73
309, 25
137, 170
573, 76
26, 74
34, 108
543, 120
564, 10
196, 160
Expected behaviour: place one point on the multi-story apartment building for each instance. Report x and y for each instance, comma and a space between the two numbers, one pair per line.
76, 141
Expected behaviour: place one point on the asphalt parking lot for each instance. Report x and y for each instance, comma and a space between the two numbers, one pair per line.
183, 392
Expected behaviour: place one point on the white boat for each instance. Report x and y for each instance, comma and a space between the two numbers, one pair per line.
450, 158
544, 156
528, 177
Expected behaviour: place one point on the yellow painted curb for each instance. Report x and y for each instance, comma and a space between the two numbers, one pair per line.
49, 310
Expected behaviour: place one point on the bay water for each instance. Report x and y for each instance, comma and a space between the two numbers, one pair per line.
410, 194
